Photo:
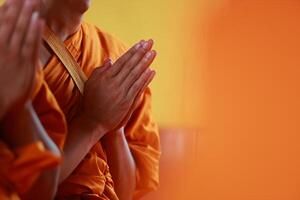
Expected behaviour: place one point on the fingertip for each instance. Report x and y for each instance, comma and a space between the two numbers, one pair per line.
154, 53
153, 73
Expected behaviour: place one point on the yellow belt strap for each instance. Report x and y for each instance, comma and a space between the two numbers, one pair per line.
66, 58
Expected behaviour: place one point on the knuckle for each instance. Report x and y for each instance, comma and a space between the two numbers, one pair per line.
132, 75
142, 51
135, 86
25, 55
132, 52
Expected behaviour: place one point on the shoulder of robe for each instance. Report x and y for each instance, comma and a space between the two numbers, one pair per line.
98, 45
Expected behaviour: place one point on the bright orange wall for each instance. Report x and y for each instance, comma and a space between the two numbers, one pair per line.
231, 67
251, 147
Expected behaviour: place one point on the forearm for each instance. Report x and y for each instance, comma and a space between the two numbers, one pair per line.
121, 164
81, 138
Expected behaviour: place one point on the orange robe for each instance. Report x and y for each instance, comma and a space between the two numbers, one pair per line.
92, 179
19, 168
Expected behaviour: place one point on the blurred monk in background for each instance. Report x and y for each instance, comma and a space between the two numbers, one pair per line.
28, 157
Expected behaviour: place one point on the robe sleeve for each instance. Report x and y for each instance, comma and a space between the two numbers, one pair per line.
143, 139
19, 169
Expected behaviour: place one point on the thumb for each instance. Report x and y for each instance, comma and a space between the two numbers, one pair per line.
106, 65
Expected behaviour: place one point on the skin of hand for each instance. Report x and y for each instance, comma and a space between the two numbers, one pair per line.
113, 90
20, 40
110, 97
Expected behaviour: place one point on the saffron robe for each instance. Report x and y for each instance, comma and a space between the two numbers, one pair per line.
90, 46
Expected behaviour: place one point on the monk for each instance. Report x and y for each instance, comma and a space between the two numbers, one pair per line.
112, 147
28, 157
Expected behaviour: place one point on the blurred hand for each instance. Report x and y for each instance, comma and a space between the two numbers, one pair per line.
20, 40
113, 90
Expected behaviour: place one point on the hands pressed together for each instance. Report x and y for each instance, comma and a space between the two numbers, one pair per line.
20, 40
113, 90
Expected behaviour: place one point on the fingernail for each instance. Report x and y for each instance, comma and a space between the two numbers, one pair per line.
151, 41
153, 72
35, 15
149, 54
146, 45
138, 45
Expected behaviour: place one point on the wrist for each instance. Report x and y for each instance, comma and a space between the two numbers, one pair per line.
85, 122
114, 136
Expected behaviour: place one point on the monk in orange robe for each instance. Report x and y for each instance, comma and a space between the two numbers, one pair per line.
105, 156
28, 157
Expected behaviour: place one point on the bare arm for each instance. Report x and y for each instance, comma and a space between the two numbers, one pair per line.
121, 164
83, 135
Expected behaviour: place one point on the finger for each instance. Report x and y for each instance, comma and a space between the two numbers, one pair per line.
138, 70
141, 92
107, 64
138, 87
38, 42
2, 10
28, 47
119, 63
36, 4
22, 26
137, 99
133, 61
10, 18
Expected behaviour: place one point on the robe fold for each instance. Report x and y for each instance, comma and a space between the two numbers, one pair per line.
20, 168
90, 46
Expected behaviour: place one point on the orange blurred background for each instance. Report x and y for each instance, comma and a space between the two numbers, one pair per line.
226, 95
